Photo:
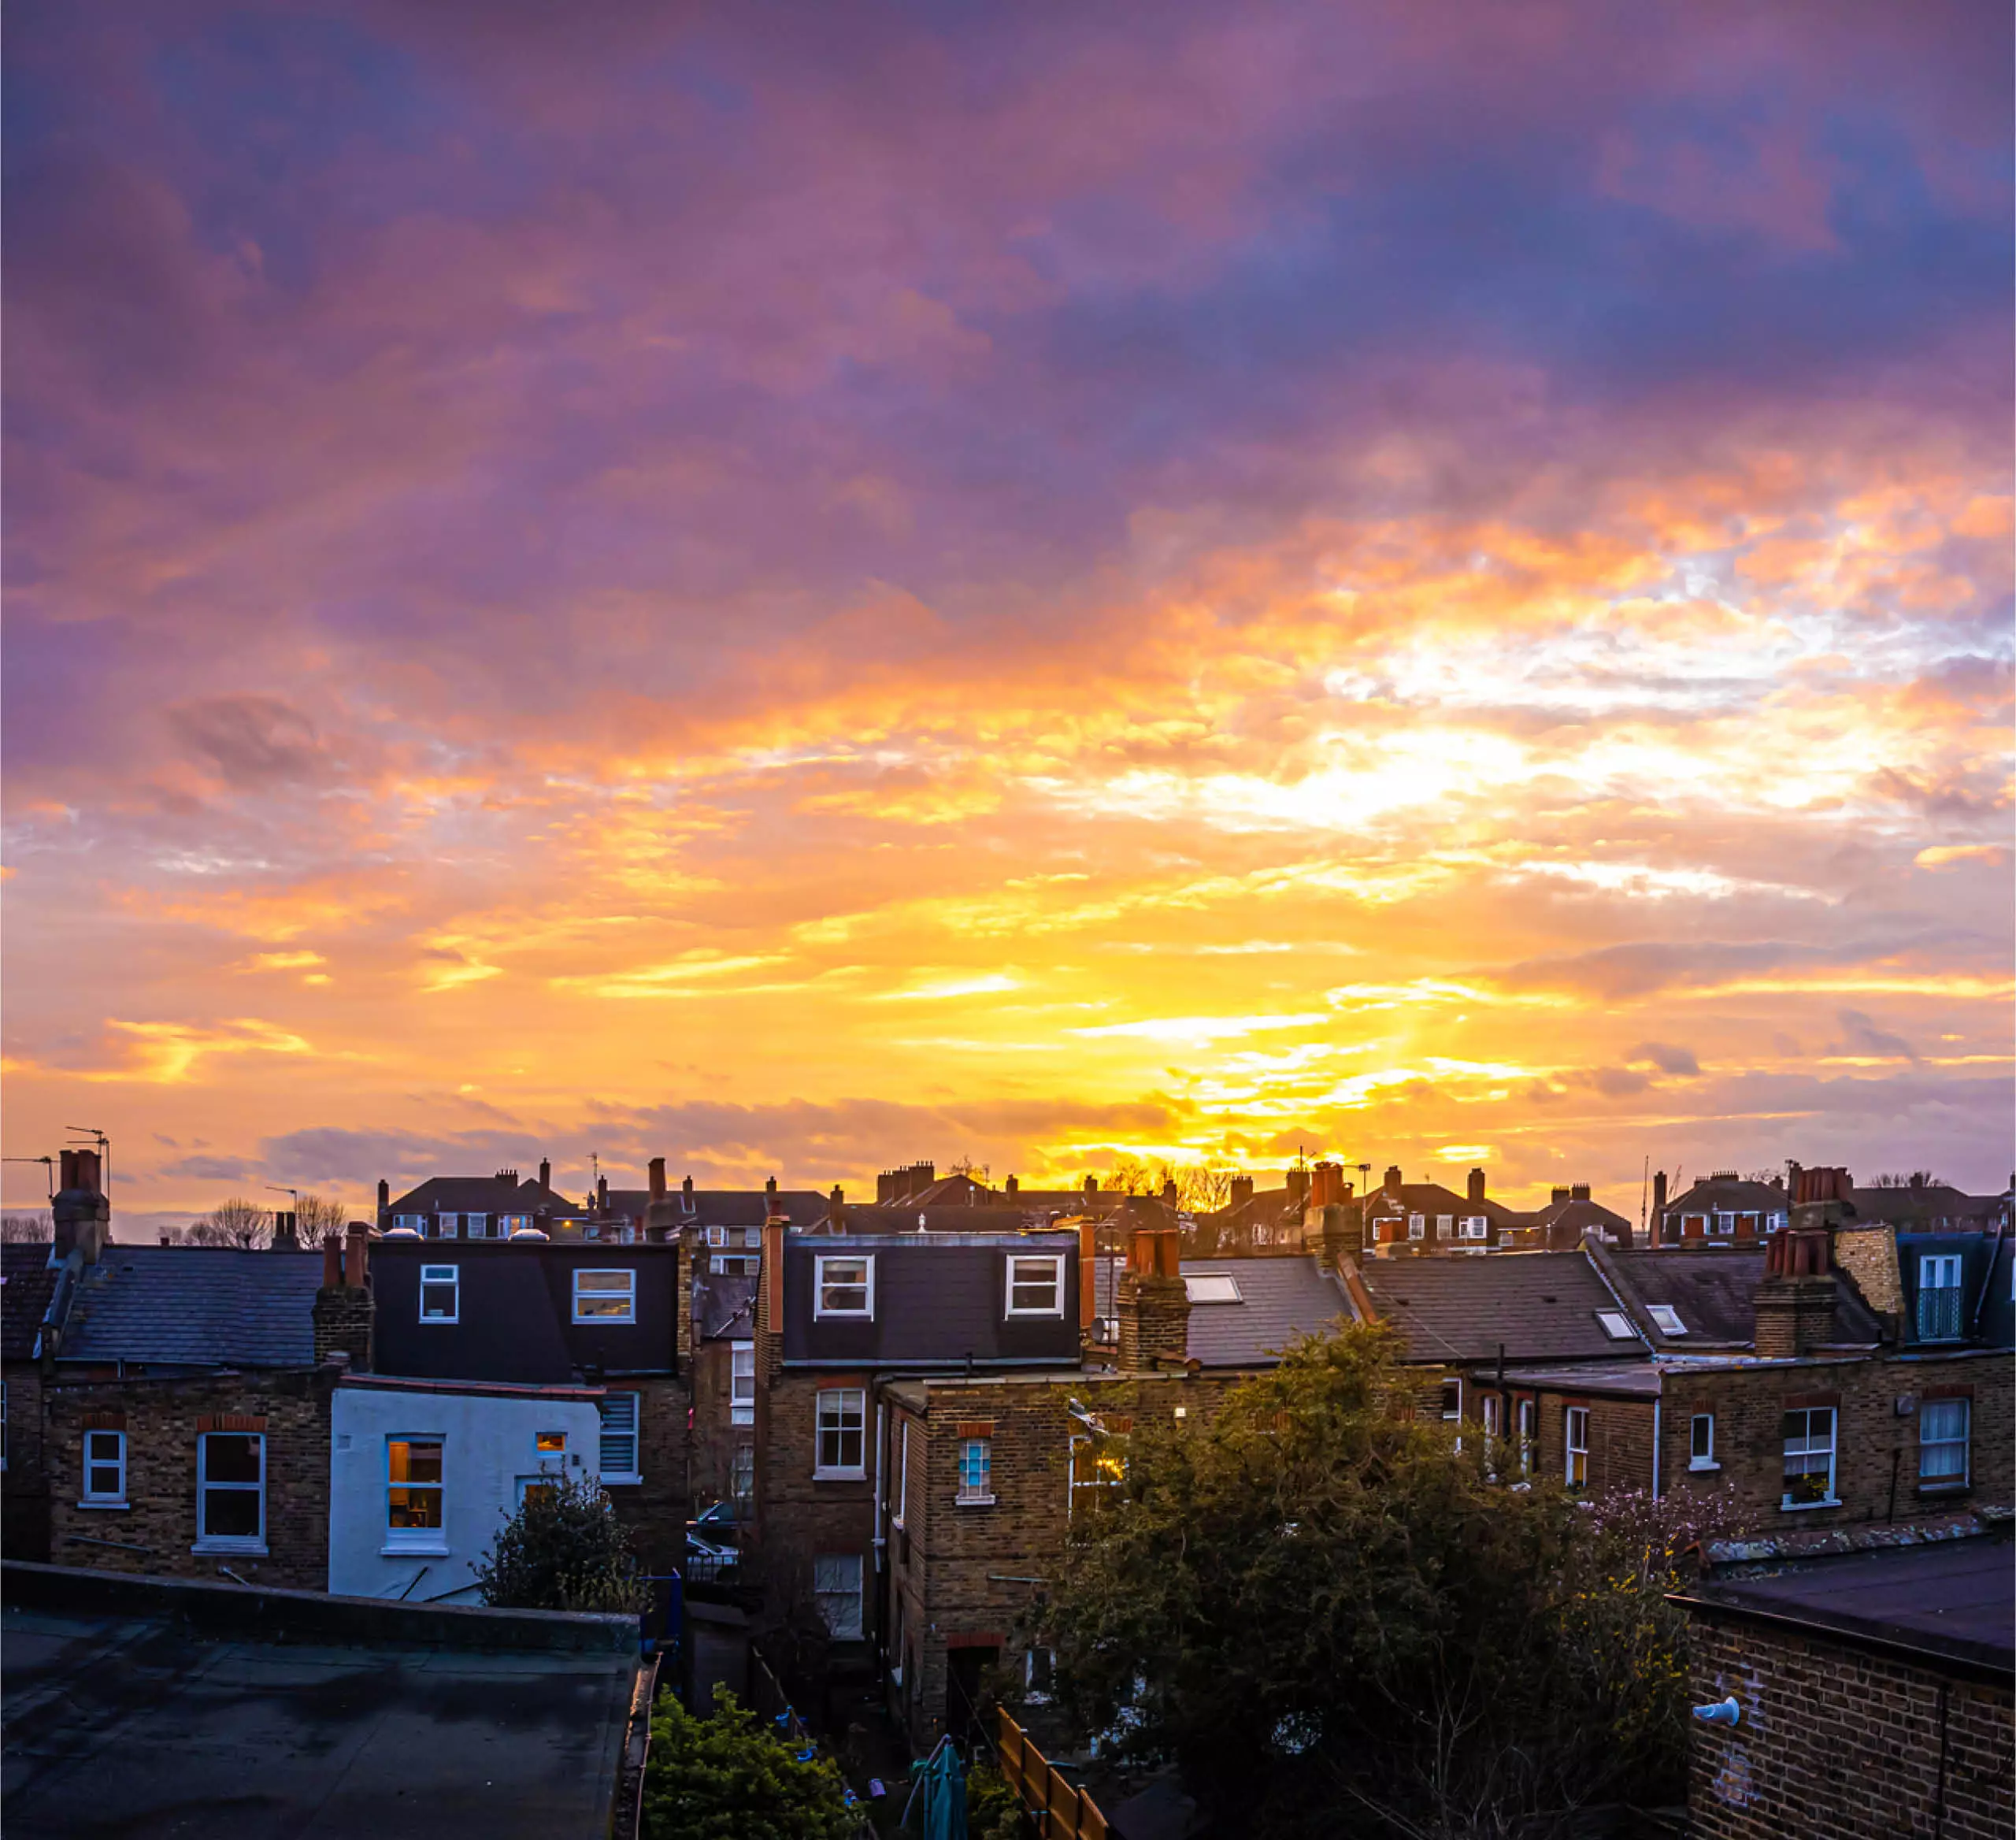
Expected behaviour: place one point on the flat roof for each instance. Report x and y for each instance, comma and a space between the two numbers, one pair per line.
120, 1721
1948, 1600
1640, 1381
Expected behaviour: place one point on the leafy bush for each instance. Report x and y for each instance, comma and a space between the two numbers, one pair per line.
1338, 1622
727, 1777
564, 1550
994, 1810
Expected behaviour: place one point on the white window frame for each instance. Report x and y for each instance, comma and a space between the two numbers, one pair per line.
1452, 1389
1936, 1265
1571, 1449
1808, 1447
866, 1284
1054, 1308
1417, 1227
1616, 1325
476, 1227
839, 1472
741, 1474
1665, 1319
717, 1236
626, 1294
899, 1514
827, 1568
741, 1367
87, 1495
1475, 1226
752, 1238
251, 1543
629, 1405
1445, 1226
1697, 1458
1954, 1479
1492, 1406
433, 1539
983, 1496
739, 1264
1211, 1287
447, 1226
433, 1275
417, 1222
1035, 1694
1526, 1416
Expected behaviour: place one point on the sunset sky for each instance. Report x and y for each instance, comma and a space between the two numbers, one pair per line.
801, 587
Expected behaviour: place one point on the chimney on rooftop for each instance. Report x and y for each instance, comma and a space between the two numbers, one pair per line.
656, 1177
1092, 1184
384, 1203
1658, 1206
81, 1211
507, 1175
1558, 1197
1169, 1193
836, 1208
1296, 1181
1011, 1187
287, 1237
601, 1194
1153, 1303
1476, 1190
344, 1310
1579, 1193
686, 1188
1393, 1183
770, 1188
1241, 1190
1798, 1295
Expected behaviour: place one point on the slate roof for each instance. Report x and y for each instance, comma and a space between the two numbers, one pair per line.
31, 1281
1541, 1306
725, 1207
481, 1194
724, 1306
1951, 1598
196, 1306
1730, 1194
1715, 1292
1927, 1208
1279, 1299
1564, 1222
1432, 1199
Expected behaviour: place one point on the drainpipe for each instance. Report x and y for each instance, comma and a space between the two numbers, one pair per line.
1656, 1403
880, 1505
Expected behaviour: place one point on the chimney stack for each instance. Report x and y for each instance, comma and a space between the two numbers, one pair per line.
1476, 1190
1579, 1193
1392, 1184
545, 1174
1296, 1181
332, 1262
1658, 1231
1092, 1184
1152, 1304
1339, 1234
384, 1203
686, 1189
1241, 1190
507, 1175
770, 1187
344, 1309
1798, 1296
1169, 1194
656, 1178
1557, 1198
81, 1210
1012, 1188
601, 1194
836, 1208
286, 1236
356, 1257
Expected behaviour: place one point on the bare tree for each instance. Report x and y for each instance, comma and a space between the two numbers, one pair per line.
28, 1229
966, 1165
1202, 1190
1917, 1178
317, 1217
233, 1222
1130, 1176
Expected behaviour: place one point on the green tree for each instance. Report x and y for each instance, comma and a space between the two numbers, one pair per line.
1338, 1622
727, 1777
564, 1550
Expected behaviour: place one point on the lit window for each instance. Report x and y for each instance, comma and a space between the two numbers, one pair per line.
440, 1293
605, 1297
836, 1589
550, 1443
1617, 1325
1942, 1440
717, 1236
1576, 1425
618, 1455
1810, 1457
976, 1469
1212, 1287
842, 1411
413, 1493
230, 1492
843, 1286
1939, 1297
105, 1469
1701, 1447
1036, 1284
1099, 1467
1665, 1319
741, 1383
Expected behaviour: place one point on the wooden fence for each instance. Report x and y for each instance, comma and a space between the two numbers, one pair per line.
1062, 1812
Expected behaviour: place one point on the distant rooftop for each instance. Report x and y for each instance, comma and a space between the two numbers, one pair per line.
196, 1307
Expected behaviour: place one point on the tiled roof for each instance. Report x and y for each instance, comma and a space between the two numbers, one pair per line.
1279, 1299
30, 1281
1539, 1306
1730, 1194
1923, 1207
196, 1305
1715, 1292
480, 1194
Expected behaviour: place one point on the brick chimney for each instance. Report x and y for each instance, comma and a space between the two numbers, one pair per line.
1392, 1184
1657, 1229
1011, 1187
1152, 1304
545, 1174
287, 1234
344, 1309
1241, 1190
1558, 1197
1798, 1295
1296, 1181
384, 1203
1088, 1278
1340, 1233
82, 1211
660, 1223
1579, 1191
1169, 1194
836, 1208
1092, 1184
770, 1303
770, 1188
601, 1194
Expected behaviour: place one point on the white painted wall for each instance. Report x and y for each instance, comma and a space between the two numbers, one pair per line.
488, 1444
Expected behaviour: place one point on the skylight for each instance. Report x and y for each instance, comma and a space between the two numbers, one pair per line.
1667, 1318
1617, 1325
1212, 1287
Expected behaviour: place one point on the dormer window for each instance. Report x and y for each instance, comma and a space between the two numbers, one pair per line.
843, 1286
1666, 1318
1036, 1284
605, 1297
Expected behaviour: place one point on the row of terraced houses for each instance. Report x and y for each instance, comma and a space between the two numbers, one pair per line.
895, 1410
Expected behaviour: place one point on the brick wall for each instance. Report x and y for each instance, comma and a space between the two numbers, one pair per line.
715, 1435
1837, 1743
655, 1509
162, 1420
961, 1569
24, 1489
1877, 1449
799, 1518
